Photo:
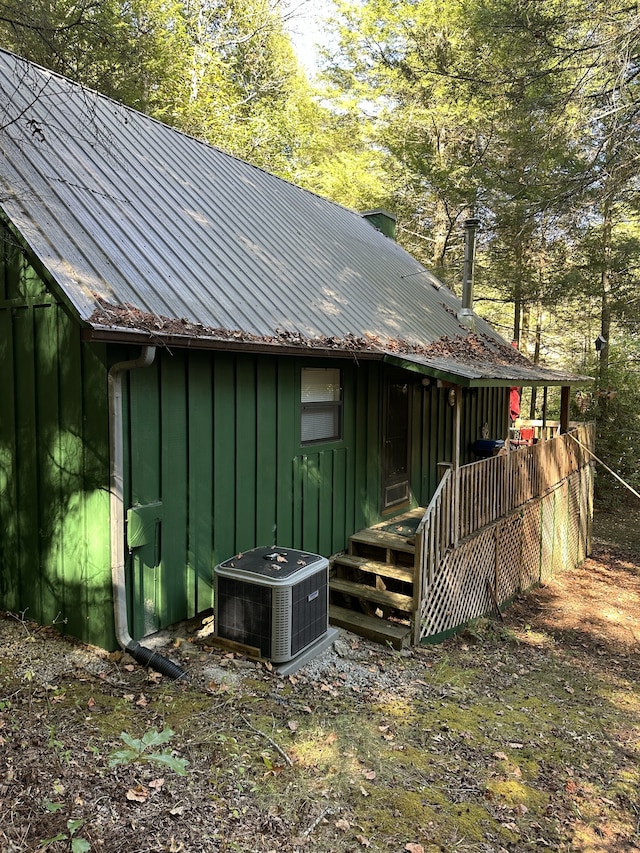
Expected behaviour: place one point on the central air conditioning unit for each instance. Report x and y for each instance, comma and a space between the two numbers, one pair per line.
276, 600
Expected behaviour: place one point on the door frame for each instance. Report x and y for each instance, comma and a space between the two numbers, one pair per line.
395, 489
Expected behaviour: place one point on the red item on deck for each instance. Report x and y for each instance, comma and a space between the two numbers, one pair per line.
514, 403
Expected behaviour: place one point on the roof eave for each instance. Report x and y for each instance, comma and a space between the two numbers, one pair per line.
126, 336
550, 378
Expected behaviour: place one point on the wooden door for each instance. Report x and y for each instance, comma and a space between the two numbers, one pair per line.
395, 440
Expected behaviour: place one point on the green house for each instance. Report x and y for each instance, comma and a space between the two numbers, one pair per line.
196, 358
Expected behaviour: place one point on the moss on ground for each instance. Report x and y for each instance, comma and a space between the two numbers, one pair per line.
522, 738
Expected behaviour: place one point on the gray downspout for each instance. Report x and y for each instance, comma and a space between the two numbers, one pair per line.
139, 653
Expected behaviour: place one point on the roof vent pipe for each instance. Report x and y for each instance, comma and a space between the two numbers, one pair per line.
465, 314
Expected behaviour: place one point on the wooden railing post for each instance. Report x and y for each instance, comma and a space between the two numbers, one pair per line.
443, 467
506, 485
457, 421
418, 584
456, 508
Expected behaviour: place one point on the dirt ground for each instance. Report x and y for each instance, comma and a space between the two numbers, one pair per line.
514, 736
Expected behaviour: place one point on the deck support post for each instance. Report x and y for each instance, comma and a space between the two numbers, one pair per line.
457, 422
565, 400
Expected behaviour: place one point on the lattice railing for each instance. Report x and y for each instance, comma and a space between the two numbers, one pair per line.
518, 523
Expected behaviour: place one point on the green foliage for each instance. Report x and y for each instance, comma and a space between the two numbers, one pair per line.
138, 749
503, 109
335, 161
121, 49
78, 844
618, 438
221, 70
525, 114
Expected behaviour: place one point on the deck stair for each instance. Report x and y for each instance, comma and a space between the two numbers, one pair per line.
371, 586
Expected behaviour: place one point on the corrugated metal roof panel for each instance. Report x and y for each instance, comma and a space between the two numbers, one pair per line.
479, 373
124, 210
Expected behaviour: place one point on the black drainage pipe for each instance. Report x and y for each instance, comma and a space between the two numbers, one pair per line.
152, 659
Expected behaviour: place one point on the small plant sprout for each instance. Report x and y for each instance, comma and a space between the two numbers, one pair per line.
141, 750
78, 844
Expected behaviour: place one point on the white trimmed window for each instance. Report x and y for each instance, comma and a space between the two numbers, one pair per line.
320, 404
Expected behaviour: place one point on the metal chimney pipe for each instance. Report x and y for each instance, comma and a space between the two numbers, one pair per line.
465, 315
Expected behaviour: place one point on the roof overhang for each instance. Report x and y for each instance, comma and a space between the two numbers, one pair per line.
473, 375
125, 336
484, 374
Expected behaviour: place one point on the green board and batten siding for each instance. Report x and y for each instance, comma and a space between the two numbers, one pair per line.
215, 444
214, 440
213, 464
54, 500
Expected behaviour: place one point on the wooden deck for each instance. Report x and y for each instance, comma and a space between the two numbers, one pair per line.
492, 528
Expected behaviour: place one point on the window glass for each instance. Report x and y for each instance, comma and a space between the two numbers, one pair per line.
321, 404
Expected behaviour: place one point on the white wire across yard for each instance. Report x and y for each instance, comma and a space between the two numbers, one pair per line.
617, 476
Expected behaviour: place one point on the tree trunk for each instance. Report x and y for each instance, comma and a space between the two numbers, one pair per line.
525, 329
441, 234
517, 294
536, 360
605, 306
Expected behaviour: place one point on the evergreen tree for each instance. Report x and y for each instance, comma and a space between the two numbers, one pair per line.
222, 70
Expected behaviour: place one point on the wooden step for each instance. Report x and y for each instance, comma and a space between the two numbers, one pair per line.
383, 539
371, 627
382, 597
384, 570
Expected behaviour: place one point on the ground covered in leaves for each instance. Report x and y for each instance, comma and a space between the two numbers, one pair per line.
514, 736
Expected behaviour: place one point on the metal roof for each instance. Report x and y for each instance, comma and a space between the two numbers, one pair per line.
489, 373
127, 213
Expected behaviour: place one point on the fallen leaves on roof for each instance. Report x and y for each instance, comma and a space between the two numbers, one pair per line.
469, 348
